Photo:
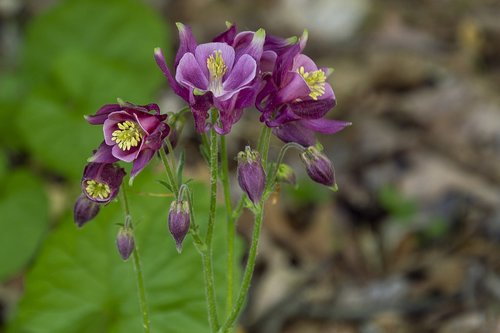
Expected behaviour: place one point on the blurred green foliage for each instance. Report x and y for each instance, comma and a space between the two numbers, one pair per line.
24, 220
80, 284
77, 56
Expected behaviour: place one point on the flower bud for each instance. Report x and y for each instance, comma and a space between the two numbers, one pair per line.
125, 242
178, 222
251, 175
285, 174
319, 167
101, 181
84, 210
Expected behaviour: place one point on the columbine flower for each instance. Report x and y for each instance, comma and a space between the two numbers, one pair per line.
251, 175
178, 221
131, 133
101, 181
125, 242
296, 97
319, 167
84, 210
214, 74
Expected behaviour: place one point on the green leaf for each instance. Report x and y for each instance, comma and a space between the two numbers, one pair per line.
79, 56
23, 221
79, 283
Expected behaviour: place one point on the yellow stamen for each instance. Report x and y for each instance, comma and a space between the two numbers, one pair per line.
97, 190
315, 81
216, 66
128, 135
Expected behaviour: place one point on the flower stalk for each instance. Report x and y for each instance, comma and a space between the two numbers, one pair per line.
137, 268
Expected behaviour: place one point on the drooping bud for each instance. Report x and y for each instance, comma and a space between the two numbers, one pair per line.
84, 210
178, 222
125, 242
101, 181
319, 167
251, 174
285, 174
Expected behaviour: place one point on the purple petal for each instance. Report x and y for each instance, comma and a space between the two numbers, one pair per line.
126, 155
204, 51
140, 163
284, 64
242, 74
312, 109
325, 126
190, 75
267, 61
103, 154
199, 108
187, 42
295, 88
160, 61
301, 60
254, 47
295, 132
102, 114
227, 36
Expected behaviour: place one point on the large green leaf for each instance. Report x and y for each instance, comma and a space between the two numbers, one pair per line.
78, 56
79, 283
23, 221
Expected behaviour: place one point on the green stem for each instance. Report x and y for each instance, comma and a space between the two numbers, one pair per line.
263, 147
207, 256
247, 277
171, 179
264, 144
230, 225
138, 269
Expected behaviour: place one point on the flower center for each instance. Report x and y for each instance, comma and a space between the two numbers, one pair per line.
97, 190
217, 68
127, 135
315, 81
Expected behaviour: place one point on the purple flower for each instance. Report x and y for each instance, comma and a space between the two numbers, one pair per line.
215, 75
296, 97
251, 175
125, 242
178, 222
84, 210
101, 182
131, 133
319, 167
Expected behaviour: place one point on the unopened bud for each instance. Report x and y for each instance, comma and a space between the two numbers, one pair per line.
251, 175
285, 174
125, 242
178, 222
319, 167
84, 210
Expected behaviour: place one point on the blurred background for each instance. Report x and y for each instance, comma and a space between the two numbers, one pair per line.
410, 243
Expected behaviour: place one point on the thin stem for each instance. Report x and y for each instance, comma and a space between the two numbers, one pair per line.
272, 179
171, 153
230, 225
263, 145
207, 256
170, 175
247, 277
137, 268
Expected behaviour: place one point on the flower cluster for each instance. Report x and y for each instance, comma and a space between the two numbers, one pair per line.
239, 70
132, 133
233, 72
